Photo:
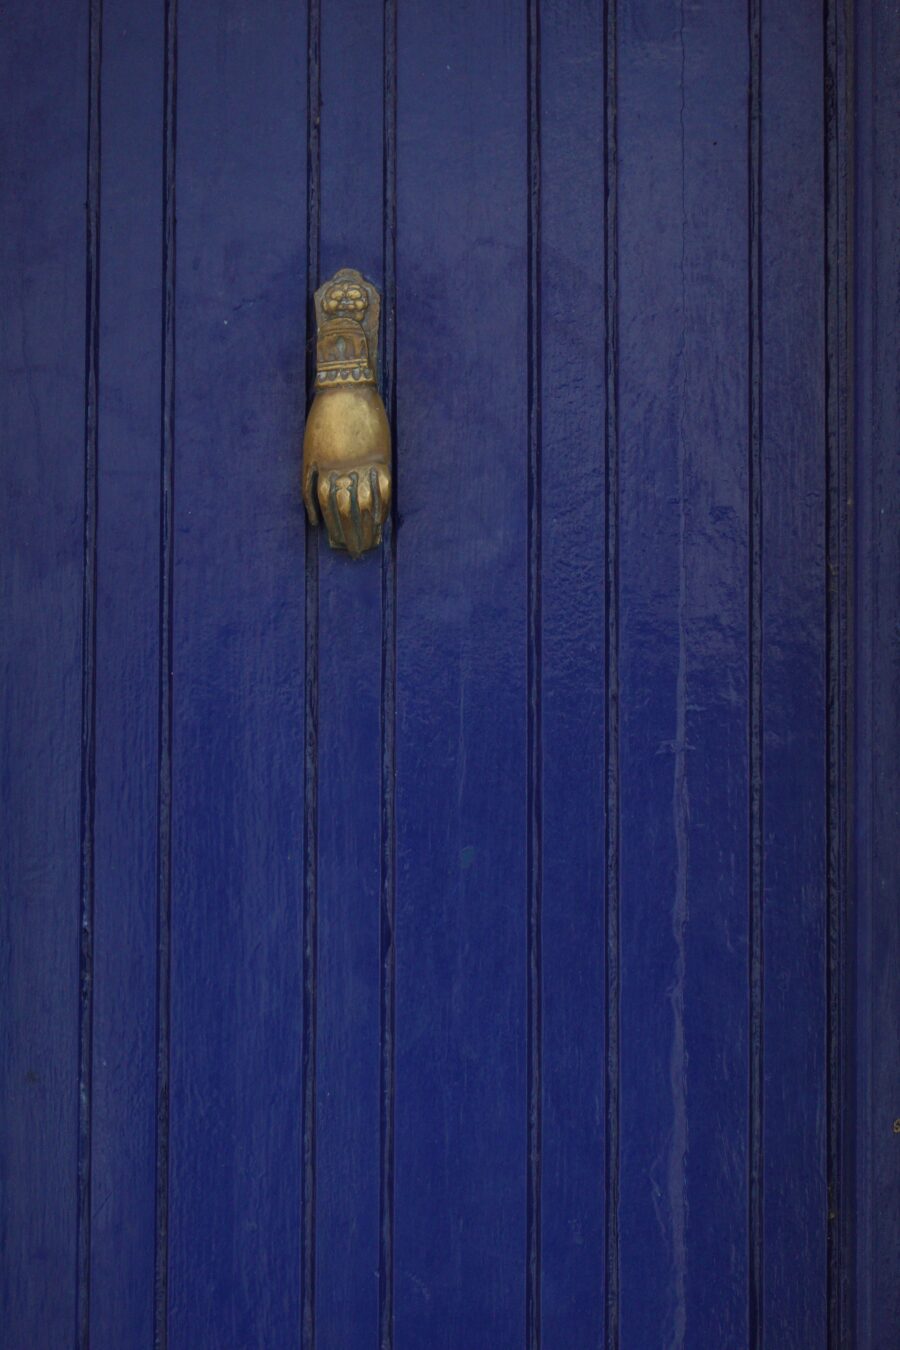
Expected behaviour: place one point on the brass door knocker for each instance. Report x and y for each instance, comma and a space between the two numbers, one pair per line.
347, 442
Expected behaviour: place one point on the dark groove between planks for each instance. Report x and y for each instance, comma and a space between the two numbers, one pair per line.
89, 683
166, 607
611, 730
755, 1310
311, 712
388, 705
535, 788
837, 94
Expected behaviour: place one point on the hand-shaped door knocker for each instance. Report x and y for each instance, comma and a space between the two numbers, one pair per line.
347, 443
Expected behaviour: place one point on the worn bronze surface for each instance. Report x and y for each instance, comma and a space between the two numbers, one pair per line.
347, 443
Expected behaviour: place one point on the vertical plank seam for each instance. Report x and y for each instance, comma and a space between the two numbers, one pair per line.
755, 1314
679, 1142
388, 705
88, 682
611, 731
837, 28
867, 426
534, 789
166, 608
311, 715
862, 330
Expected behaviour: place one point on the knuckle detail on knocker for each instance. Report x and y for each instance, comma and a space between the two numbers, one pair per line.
347, 442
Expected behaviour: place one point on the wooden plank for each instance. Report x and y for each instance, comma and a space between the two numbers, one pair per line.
45, 667
238, 654
349, 746
792, 1311
125, 937
462, 636
877, 732
684, 657
573, 686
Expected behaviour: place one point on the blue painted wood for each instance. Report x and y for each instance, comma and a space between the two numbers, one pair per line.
347, 1218
238, 645
46, 669
449, 948
309, 932
877, 797
684, 675
794, 715
123, 1126
462, 639
575, 477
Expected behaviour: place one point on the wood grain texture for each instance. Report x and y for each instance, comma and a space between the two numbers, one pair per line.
684, 674
877, 425
238, 653
452, 948
462, 636
793, 493
123, 1182
309, 930
574, 482
386, 1270
45, 352
348, 1024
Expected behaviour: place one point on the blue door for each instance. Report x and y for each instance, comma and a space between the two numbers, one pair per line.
491, 942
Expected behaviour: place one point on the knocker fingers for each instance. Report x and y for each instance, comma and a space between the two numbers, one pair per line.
350, 522
353, 505
310, 484
350, 516
380, 480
